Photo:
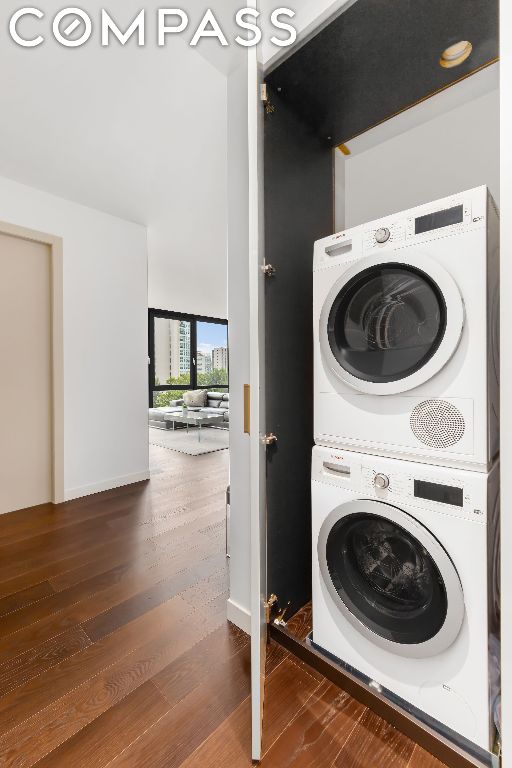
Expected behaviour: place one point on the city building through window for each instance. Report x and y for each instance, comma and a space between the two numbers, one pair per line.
186, 352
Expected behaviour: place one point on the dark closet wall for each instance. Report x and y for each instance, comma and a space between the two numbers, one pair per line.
298, 211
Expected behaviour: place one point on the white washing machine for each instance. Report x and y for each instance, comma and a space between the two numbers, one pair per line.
404, 590
406, 319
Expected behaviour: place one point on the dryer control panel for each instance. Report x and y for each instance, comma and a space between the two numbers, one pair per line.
437, 220
391, 234
453, 215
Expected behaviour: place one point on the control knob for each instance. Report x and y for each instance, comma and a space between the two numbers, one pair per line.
381, 481
382, 235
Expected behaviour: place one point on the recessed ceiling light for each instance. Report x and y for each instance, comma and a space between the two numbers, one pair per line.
456, 54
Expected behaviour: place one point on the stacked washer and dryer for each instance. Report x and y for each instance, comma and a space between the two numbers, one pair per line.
405, 474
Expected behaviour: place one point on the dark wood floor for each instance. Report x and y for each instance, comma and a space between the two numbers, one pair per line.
115, 651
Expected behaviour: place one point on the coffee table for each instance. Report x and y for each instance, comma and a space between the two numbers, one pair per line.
195, 419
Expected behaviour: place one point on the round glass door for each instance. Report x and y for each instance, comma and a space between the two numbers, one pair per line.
391, 578
387, 327
387, 578
386, 323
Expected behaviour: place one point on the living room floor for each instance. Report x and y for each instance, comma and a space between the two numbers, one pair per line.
115, 651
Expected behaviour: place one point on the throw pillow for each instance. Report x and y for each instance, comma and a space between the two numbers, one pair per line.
196, 398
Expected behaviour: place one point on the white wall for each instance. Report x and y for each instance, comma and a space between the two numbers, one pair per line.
105, 336
456, 150
238, 304
138, 133
187, 230
339, 190
506, 379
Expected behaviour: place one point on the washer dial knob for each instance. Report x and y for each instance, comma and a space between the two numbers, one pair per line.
382, 235
381, 481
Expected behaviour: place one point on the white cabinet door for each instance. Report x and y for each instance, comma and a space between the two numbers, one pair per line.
257, 358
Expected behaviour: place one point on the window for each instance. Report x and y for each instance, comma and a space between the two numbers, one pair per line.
186, 352
212, 354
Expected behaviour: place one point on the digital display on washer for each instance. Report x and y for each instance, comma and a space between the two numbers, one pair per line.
444, 494
439, 219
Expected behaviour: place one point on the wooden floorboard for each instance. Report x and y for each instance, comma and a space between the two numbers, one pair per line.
23, 667
102, 740
375, 741
25, 597
42, 690
115, 651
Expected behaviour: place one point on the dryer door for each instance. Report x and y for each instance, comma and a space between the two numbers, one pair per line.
388, 326
391, 578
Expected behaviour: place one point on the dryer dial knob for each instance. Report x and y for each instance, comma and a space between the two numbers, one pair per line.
381, 481
382, 235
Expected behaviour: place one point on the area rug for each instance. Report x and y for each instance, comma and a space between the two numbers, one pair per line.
178, 440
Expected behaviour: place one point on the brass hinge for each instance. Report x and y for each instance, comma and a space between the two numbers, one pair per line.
269, 606
281, 612
269, 439
273, 613
269, 108
268, 269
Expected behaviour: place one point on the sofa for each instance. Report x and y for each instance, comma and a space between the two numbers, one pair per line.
217, 402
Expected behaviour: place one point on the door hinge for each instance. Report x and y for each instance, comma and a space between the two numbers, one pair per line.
268, 270
273, 613
281, 612
269, 108
269, 607
269, 439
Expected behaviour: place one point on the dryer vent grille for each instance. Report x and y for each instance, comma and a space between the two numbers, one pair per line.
437, 423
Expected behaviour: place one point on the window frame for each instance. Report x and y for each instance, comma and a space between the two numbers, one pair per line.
154, 314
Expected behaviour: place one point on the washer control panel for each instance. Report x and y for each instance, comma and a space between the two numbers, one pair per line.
421, 490
405, 484
381, 481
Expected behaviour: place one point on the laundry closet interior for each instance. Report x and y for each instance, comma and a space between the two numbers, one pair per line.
379, 190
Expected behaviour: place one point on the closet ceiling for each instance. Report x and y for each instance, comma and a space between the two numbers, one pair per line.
380, 57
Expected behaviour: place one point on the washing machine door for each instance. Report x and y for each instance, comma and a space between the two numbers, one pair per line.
391, 578
388, 326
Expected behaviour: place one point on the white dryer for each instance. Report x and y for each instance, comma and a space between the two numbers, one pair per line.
406, 318
405, 581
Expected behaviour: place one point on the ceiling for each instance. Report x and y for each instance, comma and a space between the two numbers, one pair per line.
378, 57
119, 129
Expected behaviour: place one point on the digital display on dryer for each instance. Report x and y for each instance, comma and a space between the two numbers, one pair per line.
439, 219
444, 494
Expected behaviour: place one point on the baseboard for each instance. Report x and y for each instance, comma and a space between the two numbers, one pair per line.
239, 616
105, 485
